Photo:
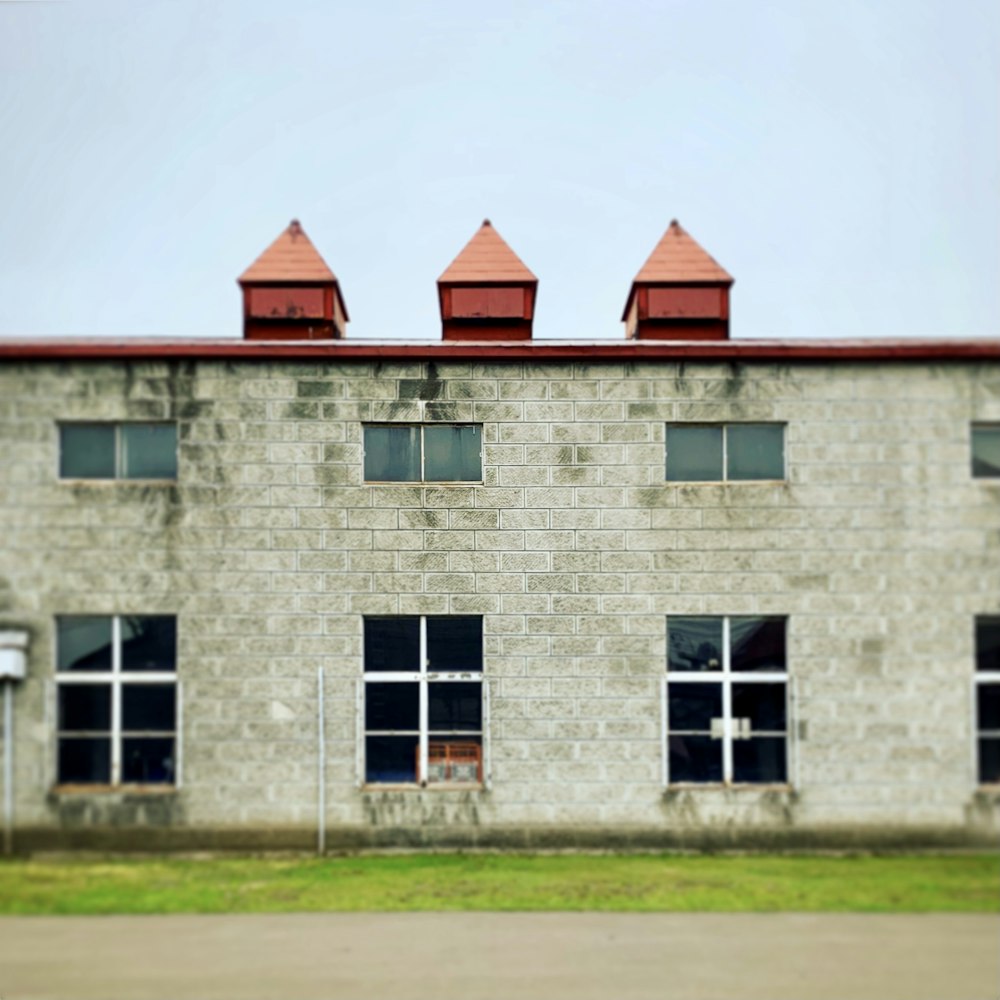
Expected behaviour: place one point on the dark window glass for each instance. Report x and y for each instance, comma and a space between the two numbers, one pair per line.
455, 643
392, 643
455, 707
84, 707
989, 760
392, 706
695, 758
986, 450
87, 451
694, 453
988, 644
83, 642
693, 706
757, 644
988, 697
392, 453
391, 759
149, 451
758, 760
149, 708
84, 761
149, 642
763, 704
148, 761
452, 453
755, 451
694, 643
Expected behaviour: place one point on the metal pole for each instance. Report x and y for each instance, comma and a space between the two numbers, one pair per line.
321, 763
8, 767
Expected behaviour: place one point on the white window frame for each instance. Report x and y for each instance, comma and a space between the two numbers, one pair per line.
119, 473
981, 678
423, 480
117, 678
730, 729
424, 678
725, 425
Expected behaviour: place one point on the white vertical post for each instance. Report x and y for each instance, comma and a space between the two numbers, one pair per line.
8, 766
179, 737
794, 722
359, 732
487, 738
321, 766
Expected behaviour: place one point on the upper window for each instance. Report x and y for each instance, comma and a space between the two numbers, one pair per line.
423, 453
726, 698
116, 681
988, 698
986, 450
716, 452
118, 451
423, 700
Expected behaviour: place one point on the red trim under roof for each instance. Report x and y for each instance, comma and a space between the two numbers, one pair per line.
129, 349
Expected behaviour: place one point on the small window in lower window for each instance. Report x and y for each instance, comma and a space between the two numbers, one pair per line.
423, 700
118, 451
988, 699
116, 700
986, 450
726, 700
731, 452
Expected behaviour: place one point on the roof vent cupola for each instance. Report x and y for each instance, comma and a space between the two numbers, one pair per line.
487, 292
680, 293
289, 293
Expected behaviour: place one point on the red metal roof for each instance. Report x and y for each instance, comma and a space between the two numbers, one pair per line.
129, 349
487, 258
677, 258
291, 257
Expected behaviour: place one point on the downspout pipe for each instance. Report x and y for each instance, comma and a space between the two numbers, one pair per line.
13, 668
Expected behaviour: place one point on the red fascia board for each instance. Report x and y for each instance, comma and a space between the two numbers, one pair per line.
514, 351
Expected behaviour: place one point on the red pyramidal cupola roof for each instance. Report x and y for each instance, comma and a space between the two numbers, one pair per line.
291, 257
679, 258
487, 258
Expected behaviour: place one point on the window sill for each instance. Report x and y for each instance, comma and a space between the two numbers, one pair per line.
456, 786
724, 482
423, 482
118, 482
721, 786
114, 789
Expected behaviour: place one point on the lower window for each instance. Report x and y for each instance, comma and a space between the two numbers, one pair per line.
116, 679
423, 700
988, 699
726, 701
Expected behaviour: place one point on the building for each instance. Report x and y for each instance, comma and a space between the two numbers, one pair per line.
676, 589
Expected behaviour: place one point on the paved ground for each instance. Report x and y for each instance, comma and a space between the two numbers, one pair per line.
474, 956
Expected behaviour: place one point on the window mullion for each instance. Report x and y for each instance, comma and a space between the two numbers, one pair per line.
116, 701
727, 701
424, 691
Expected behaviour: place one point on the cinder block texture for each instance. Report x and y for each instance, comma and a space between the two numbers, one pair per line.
879, 547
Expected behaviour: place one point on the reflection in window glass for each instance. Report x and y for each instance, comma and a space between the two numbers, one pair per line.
694, 453
755, 451
986, 450
149, 642
392, 453
694, 643
87, 451
148, 761
452, 453
83, 642
149, 451
757, 643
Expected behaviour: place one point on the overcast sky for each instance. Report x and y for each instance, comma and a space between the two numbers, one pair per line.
841, 160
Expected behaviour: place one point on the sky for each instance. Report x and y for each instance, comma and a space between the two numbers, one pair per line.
840, 160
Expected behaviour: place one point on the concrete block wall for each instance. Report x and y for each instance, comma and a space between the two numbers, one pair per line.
270, 548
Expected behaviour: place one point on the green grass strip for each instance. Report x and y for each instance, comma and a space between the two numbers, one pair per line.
625, 883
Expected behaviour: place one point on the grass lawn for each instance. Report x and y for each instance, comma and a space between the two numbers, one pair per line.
754, 883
